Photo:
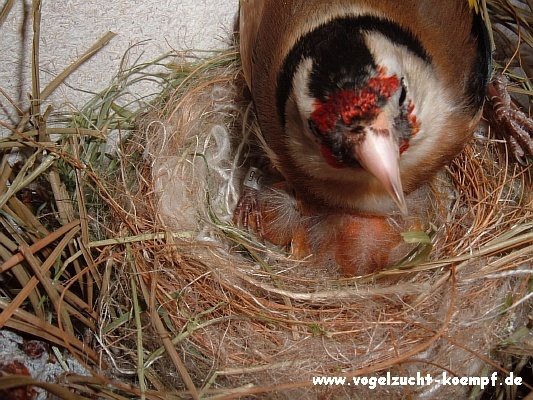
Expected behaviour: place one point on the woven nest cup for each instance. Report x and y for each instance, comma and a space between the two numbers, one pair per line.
247, 318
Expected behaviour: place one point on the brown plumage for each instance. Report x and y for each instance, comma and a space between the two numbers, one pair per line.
362, 102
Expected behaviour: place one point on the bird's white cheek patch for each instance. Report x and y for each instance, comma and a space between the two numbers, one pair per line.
301, 142
300, 92
431, 101
386, 54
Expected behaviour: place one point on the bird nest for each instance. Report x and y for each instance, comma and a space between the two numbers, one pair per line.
248, 315
131, 261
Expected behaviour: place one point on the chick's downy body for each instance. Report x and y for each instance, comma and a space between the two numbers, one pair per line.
361, 102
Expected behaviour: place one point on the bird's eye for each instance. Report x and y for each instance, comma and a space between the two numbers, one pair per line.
403, 94
314, 128
357, 129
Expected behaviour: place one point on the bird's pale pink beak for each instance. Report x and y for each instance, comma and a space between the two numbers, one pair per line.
379, 154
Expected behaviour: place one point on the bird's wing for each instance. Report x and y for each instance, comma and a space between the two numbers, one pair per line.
250, 16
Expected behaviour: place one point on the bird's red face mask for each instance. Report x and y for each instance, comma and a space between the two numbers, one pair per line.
355, 130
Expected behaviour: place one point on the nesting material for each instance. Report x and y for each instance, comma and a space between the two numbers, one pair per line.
250, 318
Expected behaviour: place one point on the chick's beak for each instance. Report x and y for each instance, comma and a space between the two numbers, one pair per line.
379, 154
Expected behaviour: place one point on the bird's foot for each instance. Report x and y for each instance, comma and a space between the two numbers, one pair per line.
514, 124
247, 214
269, 211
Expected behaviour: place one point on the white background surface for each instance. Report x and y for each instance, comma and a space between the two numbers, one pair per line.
70, 27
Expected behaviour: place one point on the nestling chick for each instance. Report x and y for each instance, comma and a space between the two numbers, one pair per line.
361, 102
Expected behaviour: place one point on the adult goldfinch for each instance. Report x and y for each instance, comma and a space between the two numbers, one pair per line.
360, 102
